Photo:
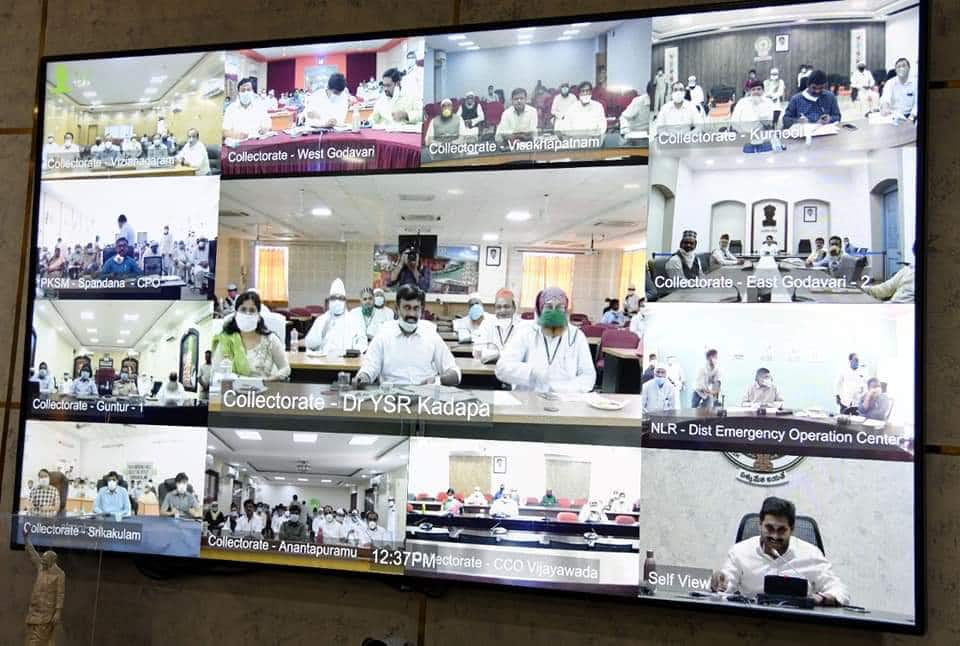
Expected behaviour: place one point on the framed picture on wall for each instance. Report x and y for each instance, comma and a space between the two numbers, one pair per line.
493, 256
810, 214
189, 359
783, 43
500, 464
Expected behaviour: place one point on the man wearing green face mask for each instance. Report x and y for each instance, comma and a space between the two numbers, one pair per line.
552, 356
372, 312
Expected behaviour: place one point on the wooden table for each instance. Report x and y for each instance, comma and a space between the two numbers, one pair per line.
622, 370
115, 173
306, 368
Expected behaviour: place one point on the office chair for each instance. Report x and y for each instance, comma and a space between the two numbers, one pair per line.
805, 528
804, 247
736, 247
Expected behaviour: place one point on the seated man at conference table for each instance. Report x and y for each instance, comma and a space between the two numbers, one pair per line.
519, 121
679, 113
635, 119
777, 552
247, 117
592, 513
121, 265
874, 403
899, 288
396, 109
125, 387
408, 350
328, 107
468, 327
496, 331
448, 126
763, 391
112, 499
722, 254
814, 105
551, 356
181, 503
817, 254
684, 262
585, 118
373, 312
84, 386
336, 331
476, 498
506, 506
659, 394
769, 247
900, 93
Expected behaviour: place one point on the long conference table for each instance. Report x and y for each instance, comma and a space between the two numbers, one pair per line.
742, 293
626, 150
387, 150
309, 368
116, 173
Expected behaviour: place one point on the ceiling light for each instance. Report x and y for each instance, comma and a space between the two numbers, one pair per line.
457, 37
526, 29
465, 43
580, 24
131, 317
279, 478
564, 38
211, 447
326, 481
709, 162
303, 480
306, 438
571, 32
150, 90
725, 28
631, 187
770, 160
89, 94
801, 20
454, 191
91, 330
490, 237
523, 42
363, 440
739, 160
802, 159
94, 340
321, 211
59, 328
120, 341
158, 79
248, 435
518, 216
472, 49
86, 316
193, 81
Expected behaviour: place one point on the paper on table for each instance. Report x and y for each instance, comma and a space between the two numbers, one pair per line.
503, 398
736, 410
874, 423
315, 353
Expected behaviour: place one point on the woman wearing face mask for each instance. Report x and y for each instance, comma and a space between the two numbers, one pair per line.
251, 349
84, 386
552, 356
171, 393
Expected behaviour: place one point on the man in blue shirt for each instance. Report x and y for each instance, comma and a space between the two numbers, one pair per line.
112, 499
816, 103
121, 265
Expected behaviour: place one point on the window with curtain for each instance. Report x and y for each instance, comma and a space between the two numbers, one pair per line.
633, 266
271, 264
545, 270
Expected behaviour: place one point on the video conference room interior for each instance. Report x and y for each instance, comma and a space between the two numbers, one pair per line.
138, 236
724, 508
123, 351
845, 219
152, 476
326, 259
525, 495
325, 488
864, 367
830, 62
137, 116
583, 83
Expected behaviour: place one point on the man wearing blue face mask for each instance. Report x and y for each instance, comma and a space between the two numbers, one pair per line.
658, 394
85, 385
468, 327
247, 117
293, 528
335, 332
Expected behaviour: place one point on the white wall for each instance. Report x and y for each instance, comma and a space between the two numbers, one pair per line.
628, 55
611, 467
507, 68
902, 35
163, 358
804, 347
275, 493
692, 503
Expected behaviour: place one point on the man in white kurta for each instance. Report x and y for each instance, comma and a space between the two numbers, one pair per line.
497, 330
658, 394
372, 312
335, 331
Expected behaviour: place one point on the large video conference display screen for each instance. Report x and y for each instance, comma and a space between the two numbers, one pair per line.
622, 306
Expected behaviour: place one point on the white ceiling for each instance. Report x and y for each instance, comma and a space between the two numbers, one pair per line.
794, 157
123, 80
370, 208
84, 431
511, 37
321, 49
152, 321
668, 27
331, 457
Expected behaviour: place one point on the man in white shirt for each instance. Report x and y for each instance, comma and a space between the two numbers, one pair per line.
861, 81
722, 254
697, 97
249, 523
754, 110
335, 331
769, 247
658, 394
900, 93
497, 330
636, 117
678, 112
763, 391
246, 117
851, 384
706, 392
372, 313
395, 108
125, 231
519, 121
272, 103
375, 535
684, 264
774, 88
585, 118
447, 126
777, 552
468, 327
326, 108
194, 153
562, 102
408, 350
505, 506
476, 498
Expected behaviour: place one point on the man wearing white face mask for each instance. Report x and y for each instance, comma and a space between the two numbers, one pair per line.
44, 499
900, 93
763, 391
697, 97
247, 117
372, 313
181, 503
50, 148
468, 327
753, 110
678, 112
496, 331
774, 88
335, 331
194, 153
585, 118
131, 148
562, 102
327, 529
658, 394
592, 513
373, 534
408, 350
84, 386
44, 379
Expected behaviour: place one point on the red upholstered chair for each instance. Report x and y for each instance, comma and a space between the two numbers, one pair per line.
442, 496
423, 496
527, 316
579, 502
624, 520
299, 312
563, 502
533, 501
429, 316
590, 329
492, 112
284, 313
616, 338
431, 110
578, 318
315, 310
409, 508
566, 517
459, 496
489, 497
